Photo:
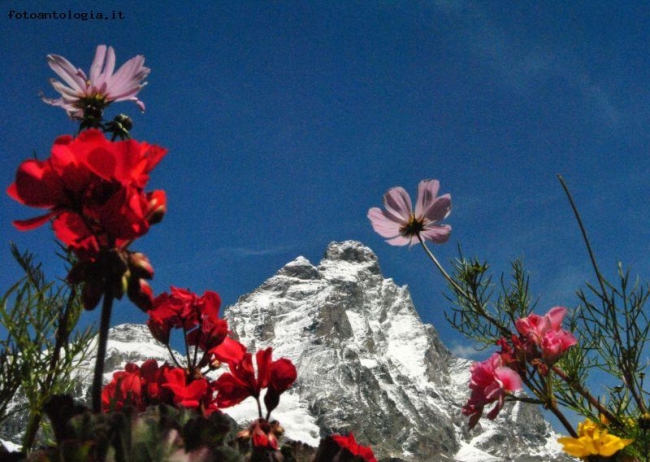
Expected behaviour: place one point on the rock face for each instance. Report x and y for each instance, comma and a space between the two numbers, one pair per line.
366, 363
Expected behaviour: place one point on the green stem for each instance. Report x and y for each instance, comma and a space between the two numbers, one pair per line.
259, 406
584, 235
33, 424
62, 334
460, 291
105, 323
435, 261
588, 396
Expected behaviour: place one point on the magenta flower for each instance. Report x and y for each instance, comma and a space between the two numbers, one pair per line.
546, 333
400, 224
490, 381
101, 87
555, 343
534, 326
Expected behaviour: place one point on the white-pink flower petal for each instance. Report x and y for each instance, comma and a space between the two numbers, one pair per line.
427, 193
102, 87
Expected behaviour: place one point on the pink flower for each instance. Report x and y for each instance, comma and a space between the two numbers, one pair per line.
101, 87
546, 333
490, 381
399, 224
555, 343
535, 326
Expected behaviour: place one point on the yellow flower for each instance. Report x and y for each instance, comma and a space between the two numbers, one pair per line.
592, 441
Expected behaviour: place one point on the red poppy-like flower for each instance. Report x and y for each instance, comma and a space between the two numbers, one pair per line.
228, 351
92, 187
125, 389
190, 395
241, 382
198, 316
150, 384
490, 381
282, 374
101, 87
93, 190
400, 224
350, 444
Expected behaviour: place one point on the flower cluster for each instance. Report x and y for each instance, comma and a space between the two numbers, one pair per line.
543, 336
93, 190
151, 384
242, 381
198, 317
540, 343
593, 440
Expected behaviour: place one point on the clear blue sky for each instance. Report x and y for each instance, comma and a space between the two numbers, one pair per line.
286, 120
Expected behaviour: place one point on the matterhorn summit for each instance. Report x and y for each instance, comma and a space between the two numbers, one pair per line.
366, 363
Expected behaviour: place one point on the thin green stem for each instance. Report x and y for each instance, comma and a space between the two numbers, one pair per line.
460, 291
592, 257
449, 279
173, 356
104, 325
259, 406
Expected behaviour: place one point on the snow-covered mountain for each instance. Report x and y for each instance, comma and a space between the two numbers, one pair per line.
366, 363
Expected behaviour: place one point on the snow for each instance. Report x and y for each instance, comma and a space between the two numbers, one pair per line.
9, 446
467, 453
291, 413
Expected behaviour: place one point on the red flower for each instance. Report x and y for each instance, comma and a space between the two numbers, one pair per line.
190, 395
241, 382
350, 444
228, 351
281, 376
92, 189
198, 316
125, 389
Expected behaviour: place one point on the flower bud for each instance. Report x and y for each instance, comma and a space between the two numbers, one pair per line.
140, 265
140, 294
157, 206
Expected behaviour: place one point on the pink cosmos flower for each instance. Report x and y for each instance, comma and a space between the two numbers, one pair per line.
101, 87
490, 381
400, 224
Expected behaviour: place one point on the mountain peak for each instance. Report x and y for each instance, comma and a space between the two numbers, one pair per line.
366, 362
350, 251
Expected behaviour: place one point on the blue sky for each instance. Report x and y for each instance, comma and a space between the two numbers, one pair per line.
285, 121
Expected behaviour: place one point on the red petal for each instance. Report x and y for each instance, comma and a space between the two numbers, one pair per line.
31, 223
